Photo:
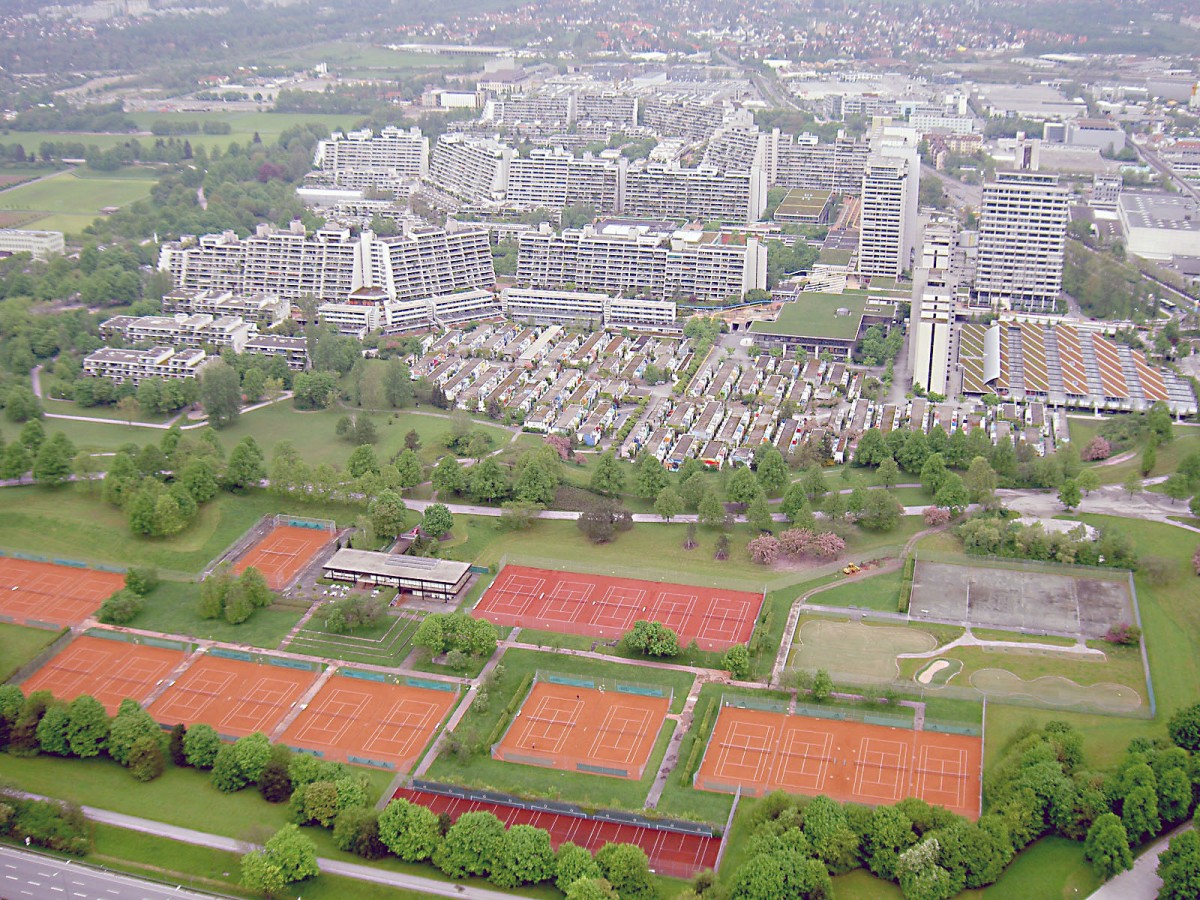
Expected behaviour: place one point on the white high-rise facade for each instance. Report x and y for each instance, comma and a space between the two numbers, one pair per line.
362, 159
1022, 232
891, 183
332, 263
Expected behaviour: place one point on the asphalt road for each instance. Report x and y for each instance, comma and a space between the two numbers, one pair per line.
36, 876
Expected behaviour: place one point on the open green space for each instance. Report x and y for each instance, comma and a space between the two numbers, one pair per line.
202, 868
855, 652
18, 645
386, 643
171, 609
341, 55
863, 591
476, 727
68, 201
314, 433
73, 522
186, 797
1167, 456
816, 314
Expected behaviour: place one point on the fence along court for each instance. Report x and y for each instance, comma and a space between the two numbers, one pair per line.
1074, 600
45, 593
234, 696
676, 850
607, 606
109, 670
759, 751
284, 547
374, 723
570, 724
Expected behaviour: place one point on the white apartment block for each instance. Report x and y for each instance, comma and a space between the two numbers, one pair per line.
470, 168
804, 162
932, 322
667, 191
554, 307
640, 313
264, 310
629, 260
361, 159
1022, 232
38, 244
351, 319
590, 310
675, 117
332, 263
293, 350
182, 330
555, 178
741, 147
137, 365
888, 227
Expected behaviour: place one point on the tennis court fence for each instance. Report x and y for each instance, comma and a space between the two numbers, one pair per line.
636, 688
281, 519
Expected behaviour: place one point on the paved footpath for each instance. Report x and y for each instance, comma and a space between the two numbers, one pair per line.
1142, 881
329, 866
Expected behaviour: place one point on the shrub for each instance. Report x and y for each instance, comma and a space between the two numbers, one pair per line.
936, 516
121, 608
1124, 634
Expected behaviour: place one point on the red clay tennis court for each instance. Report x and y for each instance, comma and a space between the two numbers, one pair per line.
370, 722
672, 853
283, 552
39, 592
607, 607
235, 697
761, 751
108, 670
588, 730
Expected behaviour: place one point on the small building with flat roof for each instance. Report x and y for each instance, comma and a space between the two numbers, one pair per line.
434, 579
805, 207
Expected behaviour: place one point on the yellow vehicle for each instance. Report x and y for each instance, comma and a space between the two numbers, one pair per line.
851, 569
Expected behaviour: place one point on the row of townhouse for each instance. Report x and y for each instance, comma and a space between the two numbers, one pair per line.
1042, 428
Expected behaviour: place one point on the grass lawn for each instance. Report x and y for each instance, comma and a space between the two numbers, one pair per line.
313, 432
69, 200
186, 797
816, 314
171, 609
1168, 456
176, 863
386, 643
73, 523
592, 790
18, 645
1051, 867
878, 592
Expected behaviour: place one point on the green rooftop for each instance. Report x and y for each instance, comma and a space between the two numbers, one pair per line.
816, 315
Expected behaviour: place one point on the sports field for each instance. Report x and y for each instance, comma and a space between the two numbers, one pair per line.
593, 731
760, 752
70, 200
38, 592
235, 697
108, 670
370, 722
672, 853
1016, 599
607, 607
283, 553
856, 651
